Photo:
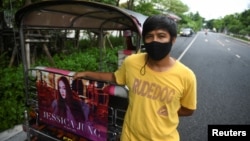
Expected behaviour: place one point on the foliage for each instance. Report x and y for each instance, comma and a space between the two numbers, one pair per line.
116, 41
11, 97
191, 20
87, 56
160, 6
217, 24
9, 8
111, 2
175, 6
237, 23
245, 17
3, 58
146, 8
91, 58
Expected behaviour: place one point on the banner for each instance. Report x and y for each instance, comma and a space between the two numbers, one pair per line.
78, 106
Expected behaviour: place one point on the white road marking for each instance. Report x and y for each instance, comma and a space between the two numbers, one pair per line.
189, 45
220, 42
238, 56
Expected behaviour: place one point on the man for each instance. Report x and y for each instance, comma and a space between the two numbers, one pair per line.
161, 88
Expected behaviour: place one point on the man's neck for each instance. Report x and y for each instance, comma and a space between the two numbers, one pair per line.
161, 65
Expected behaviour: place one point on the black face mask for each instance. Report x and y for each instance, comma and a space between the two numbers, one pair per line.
157, 50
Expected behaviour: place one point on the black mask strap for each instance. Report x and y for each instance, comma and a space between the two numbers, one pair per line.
143, 68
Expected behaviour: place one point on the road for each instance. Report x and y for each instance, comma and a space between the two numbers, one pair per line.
14, 134
222, 68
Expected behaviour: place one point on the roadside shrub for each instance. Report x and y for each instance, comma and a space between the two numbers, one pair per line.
92, 58
12, 97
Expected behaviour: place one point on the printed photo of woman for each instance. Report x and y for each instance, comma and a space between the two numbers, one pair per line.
66, 105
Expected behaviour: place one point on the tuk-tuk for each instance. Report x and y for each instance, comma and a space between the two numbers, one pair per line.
91, 110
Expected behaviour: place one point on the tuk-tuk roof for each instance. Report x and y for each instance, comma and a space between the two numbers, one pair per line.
78, 15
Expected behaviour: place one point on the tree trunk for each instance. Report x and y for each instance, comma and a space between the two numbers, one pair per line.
77, 35
14, 52
130, 4
3, 25
46, 50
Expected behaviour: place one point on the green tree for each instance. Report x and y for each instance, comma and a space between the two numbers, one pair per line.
245, 19
111, 2
175, 6
232, 23
150, 7
191, 20
146, 8
218, 24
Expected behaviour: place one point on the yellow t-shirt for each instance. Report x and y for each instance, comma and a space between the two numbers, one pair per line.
154, 99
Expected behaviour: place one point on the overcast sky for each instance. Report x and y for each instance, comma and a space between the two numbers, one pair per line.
215, 9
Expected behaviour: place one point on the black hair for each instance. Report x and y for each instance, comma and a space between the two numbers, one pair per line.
159, 22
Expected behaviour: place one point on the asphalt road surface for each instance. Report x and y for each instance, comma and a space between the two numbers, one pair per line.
222, 68
14, 134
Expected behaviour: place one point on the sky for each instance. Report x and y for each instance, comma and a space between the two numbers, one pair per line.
216, 9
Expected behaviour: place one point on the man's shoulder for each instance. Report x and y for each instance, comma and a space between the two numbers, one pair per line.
184, 68
137, 56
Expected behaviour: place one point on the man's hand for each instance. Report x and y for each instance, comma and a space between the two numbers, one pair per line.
79, 74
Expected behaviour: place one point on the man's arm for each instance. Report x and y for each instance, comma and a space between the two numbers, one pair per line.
101, 76
185, 111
